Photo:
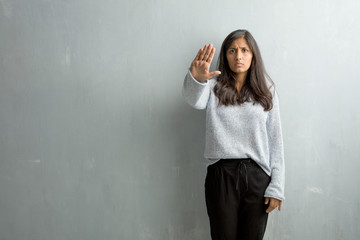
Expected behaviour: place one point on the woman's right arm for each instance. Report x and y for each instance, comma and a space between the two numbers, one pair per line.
196, 88
195, 93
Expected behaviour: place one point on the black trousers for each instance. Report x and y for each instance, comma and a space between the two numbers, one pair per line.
234, 194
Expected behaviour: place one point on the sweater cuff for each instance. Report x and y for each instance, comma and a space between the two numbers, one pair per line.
201, 83
275, 189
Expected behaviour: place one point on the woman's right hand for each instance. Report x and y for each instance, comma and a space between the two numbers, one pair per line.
201, 64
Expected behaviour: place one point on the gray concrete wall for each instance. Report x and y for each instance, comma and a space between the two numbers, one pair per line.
96, 141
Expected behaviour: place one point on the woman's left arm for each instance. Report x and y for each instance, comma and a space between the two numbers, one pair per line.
276, 152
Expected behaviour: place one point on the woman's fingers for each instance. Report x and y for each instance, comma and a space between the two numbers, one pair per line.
207, 53
210, 58
197, 57
273, 203
271, 207
202, 54
213, 74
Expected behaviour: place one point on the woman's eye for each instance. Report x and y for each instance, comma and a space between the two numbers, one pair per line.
245, 50
232, 51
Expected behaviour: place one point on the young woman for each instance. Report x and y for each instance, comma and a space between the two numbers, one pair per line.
243, 145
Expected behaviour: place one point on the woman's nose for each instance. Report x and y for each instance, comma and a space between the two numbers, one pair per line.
238, 55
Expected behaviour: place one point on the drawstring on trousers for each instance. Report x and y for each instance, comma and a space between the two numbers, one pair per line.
241, 166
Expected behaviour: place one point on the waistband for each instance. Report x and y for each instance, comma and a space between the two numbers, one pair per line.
234, 162
240, 164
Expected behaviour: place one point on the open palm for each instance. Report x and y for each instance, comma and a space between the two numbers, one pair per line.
201, 64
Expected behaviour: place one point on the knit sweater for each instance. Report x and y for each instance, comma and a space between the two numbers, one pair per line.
240, 131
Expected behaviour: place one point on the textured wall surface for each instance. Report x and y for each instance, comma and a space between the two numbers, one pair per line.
97, 143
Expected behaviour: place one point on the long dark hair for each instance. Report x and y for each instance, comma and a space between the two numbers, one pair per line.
255, 87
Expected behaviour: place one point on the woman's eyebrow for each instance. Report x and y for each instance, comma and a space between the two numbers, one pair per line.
238, 47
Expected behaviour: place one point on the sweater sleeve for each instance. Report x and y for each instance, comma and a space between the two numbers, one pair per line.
276, 152
195, 93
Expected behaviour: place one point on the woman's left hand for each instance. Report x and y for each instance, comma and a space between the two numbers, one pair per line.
274, 203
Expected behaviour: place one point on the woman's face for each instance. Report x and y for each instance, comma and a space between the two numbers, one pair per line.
239, 56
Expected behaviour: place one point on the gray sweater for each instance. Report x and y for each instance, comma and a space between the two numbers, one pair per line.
241, 131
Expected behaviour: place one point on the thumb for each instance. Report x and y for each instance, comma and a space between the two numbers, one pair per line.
213, 74
266, 200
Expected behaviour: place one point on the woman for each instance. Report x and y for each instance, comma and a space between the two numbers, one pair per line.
244, 145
